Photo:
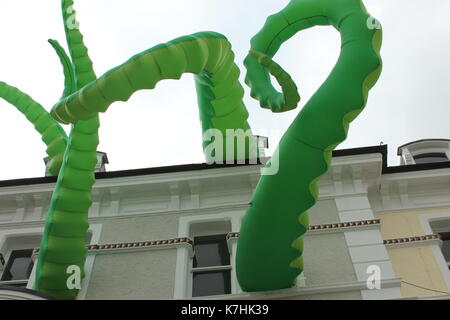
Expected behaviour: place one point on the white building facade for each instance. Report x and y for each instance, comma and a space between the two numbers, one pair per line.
171, 233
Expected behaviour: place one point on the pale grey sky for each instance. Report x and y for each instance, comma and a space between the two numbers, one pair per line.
160, 127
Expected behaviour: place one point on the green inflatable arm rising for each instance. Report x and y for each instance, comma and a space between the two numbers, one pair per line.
52, 134
63, 242
206, 54
270, 245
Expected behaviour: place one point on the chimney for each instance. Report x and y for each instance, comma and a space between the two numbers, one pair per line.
102, 160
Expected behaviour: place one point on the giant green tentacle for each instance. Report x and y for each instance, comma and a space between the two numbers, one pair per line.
270, 245
63, 241
52, 134
78, 51
207, 54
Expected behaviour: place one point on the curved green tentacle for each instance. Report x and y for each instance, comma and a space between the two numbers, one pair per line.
63, 241
69, 72
52, 134
220, 99
78, 51
206, 54
289, 96
270, 245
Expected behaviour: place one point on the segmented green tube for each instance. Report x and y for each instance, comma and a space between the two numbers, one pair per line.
270, 245
206, 54
63, 242
82, 63
220, 99
68, 69
52, 134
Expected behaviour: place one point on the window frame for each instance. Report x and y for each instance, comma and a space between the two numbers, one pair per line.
7, 262
426, 219
19, 239
445, 238
225, 267
183, 274
12, 239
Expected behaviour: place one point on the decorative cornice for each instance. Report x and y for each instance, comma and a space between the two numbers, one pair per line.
232, 236
333, 227
344, 225
157, 244
419, 240
104, 248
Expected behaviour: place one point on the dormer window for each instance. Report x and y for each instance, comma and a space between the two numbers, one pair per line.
424, 151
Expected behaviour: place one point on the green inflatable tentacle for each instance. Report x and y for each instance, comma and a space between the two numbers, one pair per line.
206, 54
78, 51
63, 243
70, 85
52, 134
270, 245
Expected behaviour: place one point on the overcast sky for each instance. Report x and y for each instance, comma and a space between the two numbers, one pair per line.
160, 127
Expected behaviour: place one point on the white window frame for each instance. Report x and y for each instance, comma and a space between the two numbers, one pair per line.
9, 235
448, 261
425, 220
212, 268
7, 256
183, 275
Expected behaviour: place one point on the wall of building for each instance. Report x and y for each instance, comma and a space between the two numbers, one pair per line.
133, 276
324, 252
163, 206
419, 263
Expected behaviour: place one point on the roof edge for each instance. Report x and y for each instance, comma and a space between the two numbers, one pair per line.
382, 149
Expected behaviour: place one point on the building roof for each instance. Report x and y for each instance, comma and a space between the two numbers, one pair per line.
382, 149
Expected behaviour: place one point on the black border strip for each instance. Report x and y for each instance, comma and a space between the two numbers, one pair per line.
382, 149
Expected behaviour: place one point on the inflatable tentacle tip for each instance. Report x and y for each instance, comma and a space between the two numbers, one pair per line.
289, 98
41, 120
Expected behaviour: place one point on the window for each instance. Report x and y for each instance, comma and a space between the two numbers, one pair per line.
445, 237
430, 157
17, 246
18, 268
197, 277
211, 269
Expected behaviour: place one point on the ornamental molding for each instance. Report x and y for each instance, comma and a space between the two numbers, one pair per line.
134, 246
429, 239
231, 236
330, 228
